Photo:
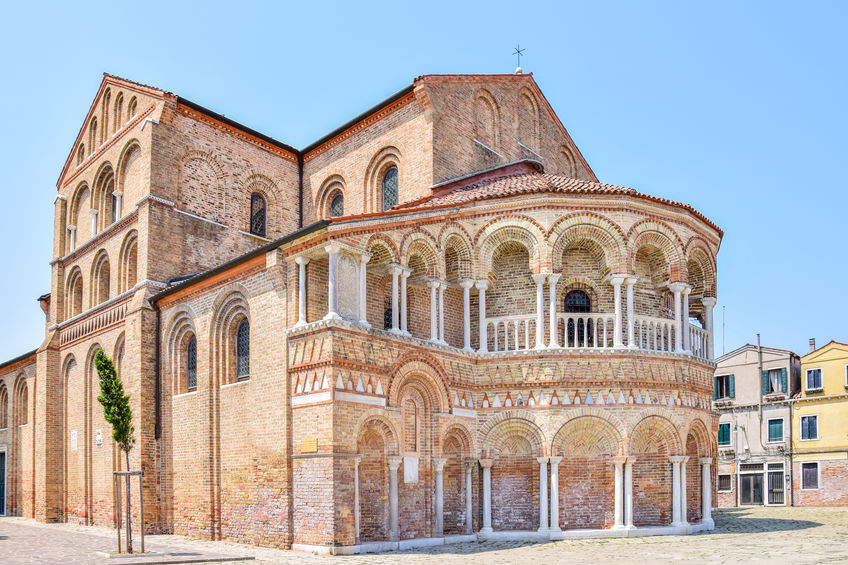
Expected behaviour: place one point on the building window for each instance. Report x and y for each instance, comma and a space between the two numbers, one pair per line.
809, 427
724, 434
191, 364
814, 380
775, 430
723, 387
809, 476
337, 205
577, 301
257, 215
390, 188
774, 381
725, 483
243, 350
115, 211
580, 332
387, 319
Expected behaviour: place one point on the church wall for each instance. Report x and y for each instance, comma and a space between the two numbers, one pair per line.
16, 439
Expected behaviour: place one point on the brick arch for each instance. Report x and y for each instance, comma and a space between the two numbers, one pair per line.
428, 373
455, 258
101, 198
333, 184
528, 117
128, 262
589, 434
206, 199
230, 308
511, 423
699, 253
509, 229
660, 235
384, 158
379, 240
100, 287
374, 419
463, 436
376, 441
698, 431
178, 329
421, 243
591, 227
651, 428
568, 166
487, 118
129, 156
78, 208
268, 189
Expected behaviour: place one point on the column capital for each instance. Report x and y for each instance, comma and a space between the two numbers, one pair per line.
685, 459
439, 463
469, 465
619, 459
117, 193
486, 463
542, 460
630, 280
555, 459
364, 257
71, 227
687, 289
617, 279
553, 278
332, 248
394, 462
301, 260
676, 458
481, 285
395, 268
443, 285
630, 460
677, 286
434, 283
466, 283
705, 460
539, 278
708, 301
356, 461
92, 211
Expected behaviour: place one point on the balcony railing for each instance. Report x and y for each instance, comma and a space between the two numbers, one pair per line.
653, 334
511, 333
698, 341
594, 330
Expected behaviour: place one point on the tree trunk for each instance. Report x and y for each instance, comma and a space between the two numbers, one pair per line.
129, 509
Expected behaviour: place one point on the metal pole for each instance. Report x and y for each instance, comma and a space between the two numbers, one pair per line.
141, 507
115, 482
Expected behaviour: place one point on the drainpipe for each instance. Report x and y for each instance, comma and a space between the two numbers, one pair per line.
788, 453
299, 190
760, 403
157, 428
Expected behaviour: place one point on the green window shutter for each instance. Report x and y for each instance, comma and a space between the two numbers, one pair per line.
715, 388
784, 381
765, 382
732, 386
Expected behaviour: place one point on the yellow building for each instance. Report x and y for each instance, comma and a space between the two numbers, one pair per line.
820, 428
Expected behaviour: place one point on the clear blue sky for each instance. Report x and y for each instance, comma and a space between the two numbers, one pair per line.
737, 108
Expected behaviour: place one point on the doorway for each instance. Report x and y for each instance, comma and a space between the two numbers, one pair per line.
751, 489
2, 483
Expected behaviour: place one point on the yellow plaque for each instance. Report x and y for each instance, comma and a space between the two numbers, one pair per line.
309, 445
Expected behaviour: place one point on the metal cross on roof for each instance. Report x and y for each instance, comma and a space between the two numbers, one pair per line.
518, 52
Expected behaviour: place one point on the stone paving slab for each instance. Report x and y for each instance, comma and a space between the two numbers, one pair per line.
748, 535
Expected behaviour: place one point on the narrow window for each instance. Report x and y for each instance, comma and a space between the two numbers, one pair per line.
243, 350
133, 106
580, 332
775, 430
387, 319
809, 427
114, 208
257, 215
723, 387
337, 205
725, 483
724, 434
814, 380
4, 408
191, 364
390, 188
809, 476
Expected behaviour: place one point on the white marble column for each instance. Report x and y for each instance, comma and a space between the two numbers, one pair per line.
706, 492
481, 287
540, 310
404, 308
356, 511
93, 213
553, 336
628, 492
395, 271
434, 309
118, 204
466, 285
363, 290
684, 504
709, 302
439, 468
487, 495
394, 524
543, 493
442, 287
72, 237
333, 253
687, 345
617, 336
675, 489
301, 290
619, 491
554, 518
469, 509
677, 288
631, 323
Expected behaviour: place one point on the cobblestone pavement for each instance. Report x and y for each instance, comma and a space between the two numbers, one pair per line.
749, 535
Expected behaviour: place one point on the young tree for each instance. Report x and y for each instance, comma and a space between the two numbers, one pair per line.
117, 411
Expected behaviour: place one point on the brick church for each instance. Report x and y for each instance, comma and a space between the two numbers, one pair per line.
432, 324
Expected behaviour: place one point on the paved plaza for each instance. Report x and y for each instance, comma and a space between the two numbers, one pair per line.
749, 535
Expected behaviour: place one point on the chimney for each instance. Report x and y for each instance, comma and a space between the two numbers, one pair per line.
812, 344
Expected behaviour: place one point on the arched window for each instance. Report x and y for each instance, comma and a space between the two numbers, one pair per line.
115, 212
22, 403
191, 364
337, 205
132, 107
410, 425
580, 334
4, 408
81, 154
387, 319
243, 350
390, 188
257, 214
119, 111
92, 136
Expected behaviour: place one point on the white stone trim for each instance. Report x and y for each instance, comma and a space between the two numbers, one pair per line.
312, 398
464, 412
344, 396
201, 218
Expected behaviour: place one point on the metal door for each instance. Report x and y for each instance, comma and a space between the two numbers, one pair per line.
751, 489
775, 487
